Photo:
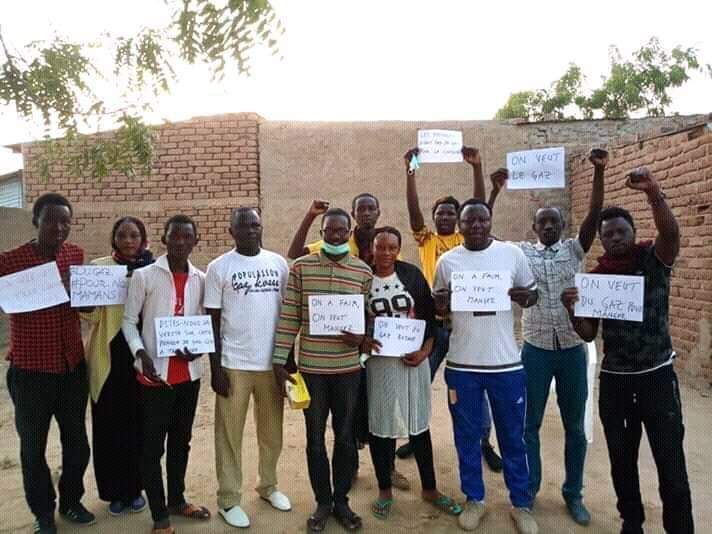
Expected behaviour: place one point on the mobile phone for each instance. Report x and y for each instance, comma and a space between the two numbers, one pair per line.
636, 176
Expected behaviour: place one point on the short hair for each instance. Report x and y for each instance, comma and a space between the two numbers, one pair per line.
446, 200
364, 195
241, 210
613, 212
139, 224
388, 230
555, 208
473, 202
336, 212
180, 218
49, 199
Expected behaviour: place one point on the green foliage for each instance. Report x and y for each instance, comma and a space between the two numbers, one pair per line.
641, 83
54, 81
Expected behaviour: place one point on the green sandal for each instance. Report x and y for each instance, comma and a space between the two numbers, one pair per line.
380, 508
447, 505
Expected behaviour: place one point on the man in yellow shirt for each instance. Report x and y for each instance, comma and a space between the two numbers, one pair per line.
365, 210
432, 245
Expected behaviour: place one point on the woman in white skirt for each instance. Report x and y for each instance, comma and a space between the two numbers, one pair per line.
399, 387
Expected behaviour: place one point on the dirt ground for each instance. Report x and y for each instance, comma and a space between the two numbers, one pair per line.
409, 513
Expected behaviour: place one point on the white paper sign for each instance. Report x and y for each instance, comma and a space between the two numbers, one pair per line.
608, 296
484, 291
439, 146
398, 336
330, 314
536, 169
192, 331
98, 285
33, 289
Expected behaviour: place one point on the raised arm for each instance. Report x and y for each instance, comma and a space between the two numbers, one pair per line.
667, 242
297, 248
585, 327
472, 156
414, 213
498, 179
587, 232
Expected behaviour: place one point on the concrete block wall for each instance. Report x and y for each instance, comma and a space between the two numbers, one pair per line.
682, 163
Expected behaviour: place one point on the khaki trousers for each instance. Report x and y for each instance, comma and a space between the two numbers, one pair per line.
230, 415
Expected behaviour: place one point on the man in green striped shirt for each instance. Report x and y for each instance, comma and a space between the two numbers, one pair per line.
329, 364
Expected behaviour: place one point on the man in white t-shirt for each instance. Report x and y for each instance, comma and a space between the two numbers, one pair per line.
243, 294
484, 357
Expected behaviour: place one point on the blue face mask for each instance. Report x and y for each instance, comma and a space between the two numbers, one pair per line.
335, 250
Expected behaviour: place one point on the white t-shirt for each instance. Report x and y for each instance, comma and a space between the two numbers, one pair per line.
248, 290
484, 342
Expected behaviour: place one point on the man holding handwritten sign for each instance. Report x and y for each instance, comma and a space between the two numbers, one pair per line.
47, 376
552, 349
484, 357
638, 385
170, 287
329, 363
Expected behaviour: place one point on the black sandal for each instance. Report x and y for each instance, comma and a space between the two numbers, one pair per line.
317, 521
347, 518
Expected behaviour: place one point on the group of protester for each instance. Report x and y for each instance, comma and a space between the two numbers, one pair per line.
143, 405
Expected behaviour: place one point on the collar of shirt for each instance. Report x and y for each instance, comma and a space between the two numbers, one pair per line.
541, 247
162, 262
325, 260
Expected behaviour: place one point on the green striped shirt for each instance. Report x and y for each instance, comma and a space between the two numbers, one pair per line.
316, 274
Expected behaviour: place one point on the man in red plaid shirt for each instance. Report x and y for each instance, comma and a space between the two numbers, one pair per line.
47, 375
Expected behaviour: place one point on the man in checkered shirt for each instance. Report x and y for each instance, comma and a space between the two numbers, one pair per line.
47, 375
552, 349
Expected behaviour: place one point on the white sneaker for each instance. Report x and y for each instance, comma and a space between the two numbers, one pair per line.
235, 517
471, 515
524, 520
279, 501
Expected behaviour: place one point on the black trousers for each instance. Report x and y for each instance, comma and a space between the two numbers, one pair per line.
116, 429
626, 404
337, 394
37, 398
168, 415
383, 452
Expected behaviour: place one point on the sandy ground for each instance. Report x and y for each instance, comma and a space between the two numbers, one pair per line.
409, 513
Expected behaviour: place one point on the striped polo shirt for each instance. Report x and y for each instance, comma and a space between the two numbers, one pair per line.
315, 274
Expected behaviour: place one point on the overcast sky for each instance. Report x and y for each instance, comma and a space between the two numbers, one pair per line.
388, 59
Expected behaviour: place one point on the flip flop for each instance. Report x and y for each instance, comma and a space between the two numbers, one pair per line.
447, 505
191, 511
380, 508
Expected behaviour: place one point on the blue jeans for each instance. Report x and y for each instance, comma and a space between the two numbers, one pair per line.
507, 392
441, 345
568, 367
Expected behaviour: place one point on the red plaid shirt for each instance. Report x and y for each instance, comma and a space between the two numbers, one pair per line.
48, 340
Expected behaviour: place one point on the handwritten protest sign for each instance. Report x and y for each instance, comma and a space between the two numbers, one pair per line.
330, 314
536, 169
608, 296
32, 289
192, 331
98, 285
439, 146
484, 291
398, 336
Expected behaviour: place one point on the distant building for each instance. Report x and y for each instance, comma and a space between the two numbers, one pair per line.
11, 192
